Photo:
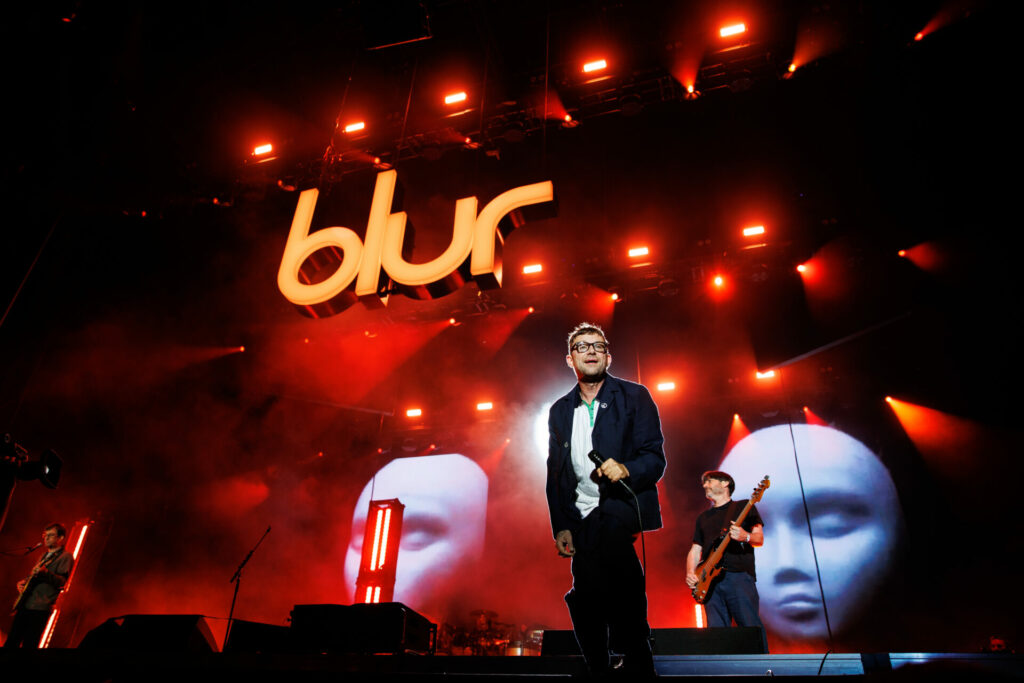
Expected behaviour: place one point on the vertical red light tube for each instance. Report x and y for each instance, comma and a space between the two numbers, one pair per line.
376, 580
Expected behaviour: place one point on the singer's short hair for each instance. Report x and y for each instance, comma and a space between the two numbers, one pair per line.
586, 328
61, 531
720, 476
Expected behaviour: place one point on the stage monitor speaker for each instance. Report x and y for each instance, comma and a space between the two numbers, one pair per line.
557, 643
255, 638
183, 633
383, 628
739, 640
673, 641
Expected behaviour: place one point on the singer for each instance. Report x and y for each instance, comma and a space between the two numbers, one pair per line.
593, 513
38, 592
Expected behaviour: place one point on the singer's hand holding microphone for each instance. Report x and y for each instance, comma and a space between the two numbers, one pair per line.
610, 468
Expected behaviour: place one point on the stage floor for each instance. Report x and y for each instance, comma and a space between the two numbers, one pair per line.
79, 665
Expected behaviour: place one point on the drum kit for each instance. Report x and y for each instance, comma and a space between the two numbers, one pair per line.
489, 637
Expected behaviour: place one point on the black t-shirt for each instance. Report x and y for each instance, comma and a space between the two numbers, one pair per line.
739, 557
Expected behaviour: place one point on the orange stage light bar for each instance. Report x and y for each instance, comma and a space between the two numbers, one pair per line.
263, 149
596, 65
698, 611
639, 251
753, 230
666, 386
354, 127
376, 580
532, 268
732, 30
414, 412
486, 405
455, 98
765, 375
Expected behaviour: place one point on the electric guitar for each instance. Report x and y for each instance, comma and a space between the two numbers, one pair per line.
30, 583
708, 570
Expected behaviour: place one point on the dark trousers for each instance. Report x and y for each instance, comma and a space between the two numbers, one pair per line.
27, 628
734, 596
608, 598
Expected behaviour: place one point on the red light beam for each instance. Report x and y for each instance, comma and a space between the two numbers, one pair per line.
737, 431
951, 444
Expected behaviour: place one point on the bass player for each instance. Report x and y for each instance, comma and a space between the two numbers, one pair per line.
733, 595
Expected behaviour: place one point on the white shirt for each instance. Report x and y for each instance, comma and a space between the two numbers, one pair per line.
587, 495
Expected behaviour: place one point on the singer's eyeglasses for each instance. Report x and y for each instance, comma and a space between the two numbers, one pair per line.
582, 347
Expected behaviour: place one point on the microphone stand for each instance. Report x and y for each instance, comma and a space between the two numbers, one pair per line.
236, 579
21, 552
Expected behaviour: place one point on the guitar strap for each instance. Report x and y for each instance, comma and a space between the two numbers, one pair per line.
728, 518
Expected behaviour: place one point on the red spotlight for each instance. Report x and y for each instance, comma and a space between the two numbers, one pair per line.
596, 65
452, 321
919, 36
636, 252
615, 296
718, 281
414, 412
813, 419
802, 268
241, 349
737, 430
948, 442
355, 127
455, 98
376, 580
666, 386
753, 230
792, 68
732, 30
531, 309
487, 405
261, 150
765, 375
532, 268
901, 253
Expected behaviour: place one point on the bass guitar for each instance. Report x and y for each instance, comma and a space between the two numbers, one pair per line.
708, 570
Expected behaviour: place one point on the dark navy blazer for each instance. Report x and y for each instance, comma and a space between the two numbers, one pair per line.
628, 429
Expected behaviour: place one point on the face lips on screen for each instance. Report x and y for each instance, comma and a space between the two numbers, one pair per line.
854, 516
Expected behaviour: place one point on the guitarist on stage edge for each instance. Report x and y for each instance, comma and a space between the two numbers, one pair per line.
40, 590
733, 596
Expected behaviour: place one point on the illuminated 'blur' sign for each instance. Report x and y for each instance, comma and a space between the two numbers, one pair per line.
373, 264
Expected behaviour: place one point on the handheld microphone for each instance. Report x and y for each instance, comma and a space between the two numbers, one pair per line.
596, 458
37, 546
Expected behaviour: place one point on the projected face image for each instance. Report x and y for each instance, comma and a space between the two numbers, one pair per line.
854, 515
445, 498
